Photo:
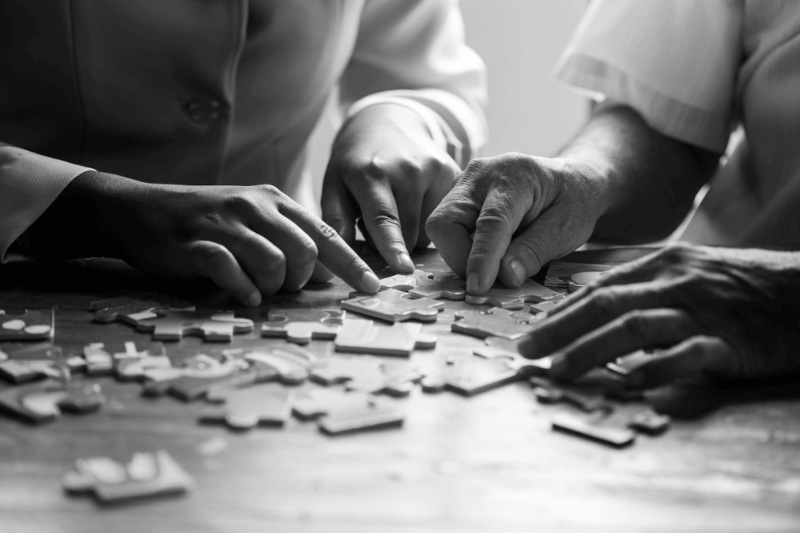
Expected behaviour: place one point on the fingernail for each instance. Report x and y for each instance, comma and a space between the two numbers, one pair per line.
405, 260
370, 282
254, 300
518, 270
473, 283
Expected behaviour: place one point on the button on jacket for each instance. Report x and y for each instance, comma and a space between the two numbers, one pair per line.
213, 91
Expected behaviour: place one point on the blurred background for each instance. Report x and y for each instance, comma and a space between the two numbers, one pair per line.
520, 42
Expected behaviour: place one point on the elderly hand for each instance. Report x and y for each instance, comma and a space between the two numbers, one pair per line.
251, 241
386, 169
725, 312
508, 215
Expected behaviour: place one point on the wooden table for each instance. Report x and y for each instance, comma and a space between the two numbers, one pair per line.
487, 463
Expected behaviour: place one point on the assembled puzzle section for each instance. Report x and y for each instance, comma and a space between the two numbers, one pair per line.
212, 326
434, 285
394, 306
301, 326
494, 322
506, 298
26, 324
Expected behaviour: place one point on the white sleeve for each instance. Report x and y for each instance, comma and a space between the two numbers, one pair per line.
675, 62
29, 183
413, 53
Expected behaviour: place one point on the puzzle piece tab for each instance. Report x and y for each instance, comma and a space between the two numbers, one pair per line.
324, 326
26, 324
494, 322
365, 336
394, 306
172, 325
434, 285
501, 296
147, 474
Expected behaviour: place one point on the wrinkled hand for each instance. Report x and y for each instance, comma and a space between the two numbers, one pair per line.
251, 241
724, 312
508, 215
386, 169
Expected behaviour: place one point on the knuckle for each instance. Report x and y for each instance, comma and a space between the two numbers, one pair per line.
602, 302
529, 252
212, 257
326, 231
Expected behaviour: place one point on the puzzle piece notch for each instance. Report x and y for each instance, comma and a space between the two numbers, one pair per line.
434, 285
506, 298
325, 327
394, 306
493, 322
27, 325
347, 412
212, 326
365, 336
245, 409
44, 403
147, 474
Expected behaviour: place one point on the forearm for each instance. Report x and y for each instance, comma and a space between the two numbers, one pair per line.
648, 180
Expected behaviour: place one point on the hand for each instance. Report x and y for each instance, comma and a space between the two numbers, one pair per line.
251, 241
386, 169
508, 215
724, 312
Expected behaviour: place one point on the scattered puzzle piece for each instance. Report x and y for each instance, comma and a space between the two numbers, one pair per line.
247, 408
506, 350
578, 280
650, 422
494, 322
26, 325
147, 474
434, 285
29, 363
469, 376
500, 296
172, 325
129, 309
43, 403
291, 363
593, 428
365, 336
394, 306
586, 398
342, 412
192, 380
324, 327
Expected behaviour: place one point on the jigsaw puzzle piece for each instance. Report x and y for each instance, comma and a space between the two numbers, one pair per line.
130, 310
26, 324
212, 326
506, 349
147, 474
586, 398
434, 285
365, 336
347, 412
469, 376
245, 409
649, 422
394, 306
292, 363
595, 428
494, 322
503, 297
43, 403
324, 327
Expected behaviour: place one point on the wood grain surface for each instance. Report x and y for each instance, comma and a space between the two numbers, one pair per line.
730, 462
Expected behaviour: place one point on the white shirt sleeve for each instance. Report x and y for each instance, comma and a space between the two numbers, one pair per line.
29, 183
675, 62
413, 53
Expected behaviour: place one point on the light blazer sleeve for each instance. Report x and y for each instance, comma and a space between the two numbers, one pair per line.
29, 183
413, 53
